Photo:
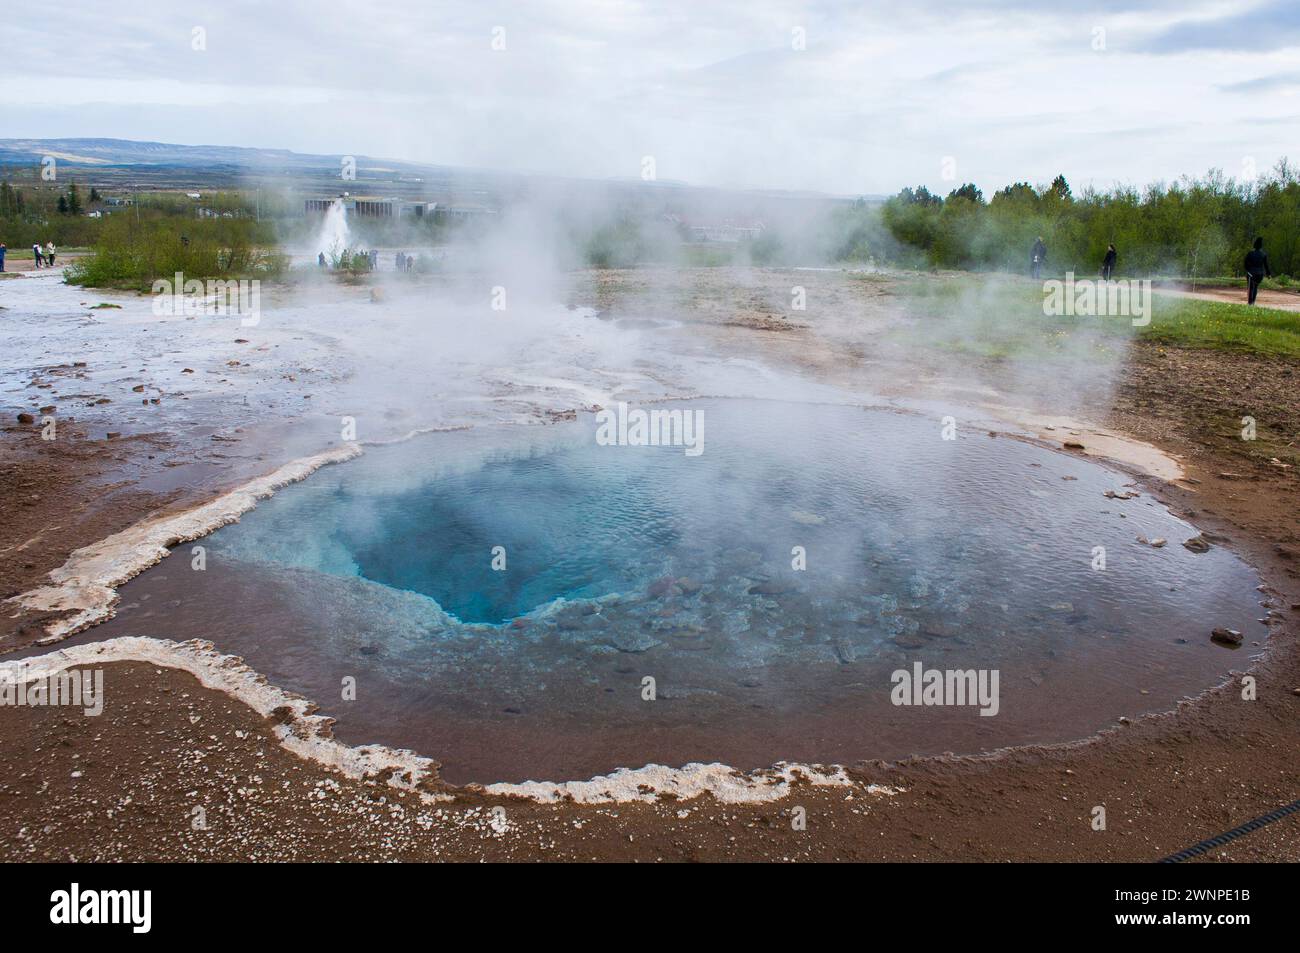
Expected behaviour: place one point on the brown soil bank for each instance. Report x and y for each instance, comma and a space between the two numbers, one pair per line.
126, 785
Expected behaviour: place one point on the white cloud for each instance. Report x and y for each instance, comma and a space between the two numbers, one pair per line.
713, 90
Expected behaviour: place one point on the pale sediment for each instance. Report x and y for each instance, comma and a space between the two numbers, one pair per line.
86, 585
1096, 441
309, 736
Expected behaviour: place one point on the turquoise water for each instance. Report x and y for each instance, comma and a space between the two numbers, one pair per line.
768, 585
894, 523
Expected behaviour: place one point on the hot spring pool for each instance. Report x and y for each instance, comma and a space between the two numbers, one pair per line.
501, 595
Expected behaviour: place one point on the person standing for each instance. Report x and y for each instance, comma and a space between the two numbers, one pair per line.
1256, 269
36, 254
1108, 263
1038, 255
3, 249
49, 254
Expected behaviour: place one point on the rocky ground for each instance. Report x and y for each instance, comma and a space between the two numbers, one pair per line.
126, 784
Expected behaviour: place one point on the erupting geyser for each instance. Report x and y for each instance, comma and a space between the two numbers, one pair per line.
333, 235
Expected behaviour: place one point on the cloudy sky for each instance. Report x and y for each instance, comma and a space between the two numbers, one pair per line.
859, 96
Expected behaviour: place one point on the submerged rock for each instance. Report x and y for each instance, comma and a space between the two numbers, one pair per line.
661, 587
806, 518
1197, 544
633, 641
908, 640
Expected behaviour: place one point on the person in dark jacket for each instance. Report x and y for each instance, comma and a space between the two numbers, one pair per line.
1108, 263
3, 249
1037, 255
1256, 269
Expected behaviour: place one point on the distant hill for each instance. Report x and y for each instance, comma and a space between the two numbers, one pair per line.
125, 152
128, 164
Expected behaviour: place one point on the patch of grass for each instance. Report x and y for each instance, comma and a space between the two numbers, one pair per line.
997, 317
1220, 324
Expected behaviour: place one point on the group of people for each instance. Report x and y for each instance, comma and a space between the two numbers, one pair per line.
1256, 264
47, 258
1038, 256
40, 256
370, 259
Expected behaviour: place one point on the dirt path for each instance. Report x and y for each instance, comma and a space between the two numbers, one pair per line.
1281, 300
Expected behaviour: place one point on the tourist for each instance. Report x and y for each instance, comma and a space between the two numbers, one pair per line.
1256, 269
1108, 263
3, 249
320, 259
49, 254
36, 254
1038, 254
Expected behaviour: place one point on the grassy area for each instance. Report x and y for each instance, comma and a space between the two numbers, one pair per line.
1217, 324
997, 317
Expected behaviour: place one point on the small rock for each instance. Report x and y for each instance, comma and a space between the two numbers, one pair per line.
633, 642
26, 419
1226, 637
660, 587
1197, 544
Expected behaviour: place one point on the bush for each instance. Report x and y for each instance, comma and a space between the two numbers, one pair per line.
131, 254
